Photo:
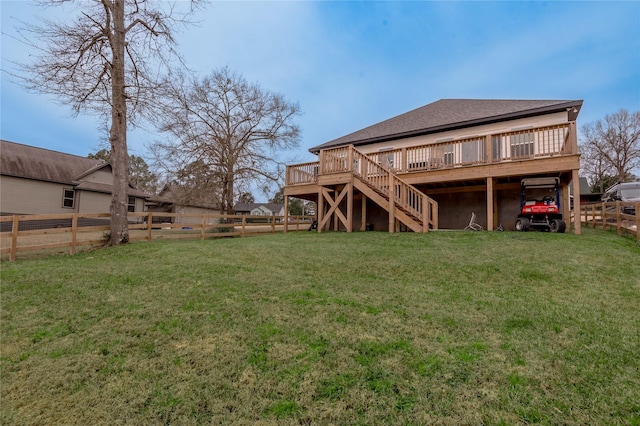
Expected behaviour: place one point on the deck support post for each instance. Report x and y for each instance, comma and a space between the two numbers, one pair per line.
350, 206
320, 212
363, 225
490, 207
286, 213
577, 223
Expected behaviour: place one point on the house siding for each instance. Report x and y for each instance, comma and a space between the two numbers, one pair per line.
26, 196
488, 129
94, 202
99, 176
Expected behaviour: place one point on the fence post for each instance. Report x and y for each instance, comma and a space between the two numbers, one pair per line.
74, 232
14, 238
273, 223
603, 216
618, 218
203, 224
244, 223
149, 222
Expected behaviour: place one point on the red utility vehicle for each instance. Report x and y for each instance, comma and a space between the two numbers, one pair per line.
544, 213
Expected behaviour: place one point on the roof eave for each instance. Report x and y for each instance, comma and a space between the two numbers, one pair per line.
566, 106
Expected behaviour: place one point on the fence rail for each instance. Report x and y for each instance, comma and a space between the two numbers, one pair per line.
623, 216
28, 233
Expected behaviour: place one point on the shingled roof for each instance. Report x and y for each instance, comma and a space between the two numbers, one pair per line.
42, 164
30, 162
449, 114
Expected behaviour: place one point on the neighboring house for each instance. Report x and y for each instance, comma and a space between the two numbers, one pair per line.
40, 181
586, 196
259, 209
174, 199
444, 161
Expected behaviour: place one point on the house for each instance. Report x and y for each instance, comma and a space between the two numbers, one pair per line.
443, 162
40, 181
259, 209
178, 200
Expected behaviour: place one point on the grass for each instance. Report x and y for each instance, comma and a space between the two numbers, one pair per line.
332, 328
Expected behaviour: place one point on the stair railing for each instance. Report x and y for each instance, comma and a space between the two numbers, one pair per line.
405, 196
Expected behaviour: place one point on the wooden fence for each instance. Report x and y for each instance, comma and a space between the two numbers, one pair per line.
623, 216
53, 232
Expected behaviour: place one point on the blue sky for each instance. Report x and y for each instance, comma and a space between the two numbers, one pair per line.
353, 64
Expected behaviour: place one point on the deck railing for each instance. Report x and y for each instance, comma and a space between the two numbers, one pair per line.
407, 197
524, 144
303, 173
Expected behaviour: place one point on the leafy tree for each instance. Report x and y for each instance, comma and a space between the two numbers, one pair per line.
198, 184
236, 129
246, 198
295, 206
278, 197
611, 147
105, 61
140, 176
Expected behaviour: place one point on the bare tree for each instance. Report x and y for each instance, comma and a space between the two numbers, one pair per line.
106, 61
233, 127
612, 147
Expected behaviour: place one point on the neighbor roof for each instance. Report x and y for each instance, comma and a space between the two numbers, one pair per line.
30, 162
450, 114
42, 164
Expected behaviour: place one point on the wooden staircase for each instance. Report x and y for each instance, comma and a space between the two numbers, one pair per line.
404, 202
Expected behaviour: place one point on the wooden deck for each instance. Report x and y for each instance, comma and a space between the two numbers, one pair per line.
481, 163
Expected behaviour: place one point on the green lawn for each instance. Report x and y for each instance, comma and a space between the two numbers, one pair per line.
332, 328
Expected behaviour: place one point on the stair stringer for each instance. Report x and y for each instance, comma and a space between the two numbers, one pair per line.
383, 201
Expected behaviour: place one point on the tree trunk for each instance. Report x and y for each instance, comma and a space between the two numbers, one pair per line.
118, 134
229, 193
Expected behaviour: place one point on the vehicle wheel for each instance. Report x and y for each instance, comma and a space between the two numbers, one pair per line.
522, 224
557, 225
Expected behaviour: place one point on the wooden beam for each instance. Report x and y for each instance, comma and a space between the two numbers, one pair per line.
392, 204
350, 206
490, 191
320, 211
363, 225
286, 213
556, 164
576, 201
334, 207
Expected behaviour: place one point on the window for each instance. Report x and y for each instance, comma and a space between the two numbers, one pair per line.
385, 159
497, 148
132, 205
68, 198
448, 154
522, 144
472, 151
